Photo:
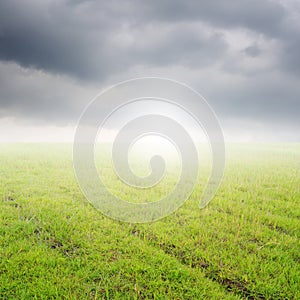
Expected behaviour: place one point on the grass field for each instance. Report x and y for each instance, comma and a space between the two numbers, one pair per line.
243, 245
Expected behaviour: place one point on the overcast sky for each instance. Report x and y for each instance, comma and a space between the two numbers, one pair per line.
243, 56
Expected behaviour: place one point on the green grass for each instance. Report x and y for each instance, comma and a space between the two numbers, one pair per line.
244, 244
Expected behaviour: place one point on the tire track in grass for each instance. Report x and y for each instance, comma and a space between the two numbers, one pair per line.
232, 286
237, 287
62, 242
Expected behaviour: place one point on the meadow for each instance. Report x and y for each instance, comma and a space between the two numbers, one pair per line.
244, 245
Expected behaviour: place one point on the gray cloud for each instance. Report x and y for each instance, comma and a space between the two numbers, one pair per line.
243, 55
261, 16
92, 39
40, 97
252, 51
95, 39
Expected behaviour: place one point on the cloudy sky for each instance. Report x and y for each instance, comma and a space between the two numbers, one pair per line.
243, 56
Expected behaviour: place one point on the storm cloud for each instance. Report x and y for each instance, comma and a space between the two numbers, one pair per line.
242, 55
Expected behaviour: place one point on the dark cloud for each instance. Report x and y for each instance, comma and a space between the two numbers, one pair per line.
93, 39
265, 99
41, 97
244, 52
252, 51
261, 16
290, 57
44, 36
